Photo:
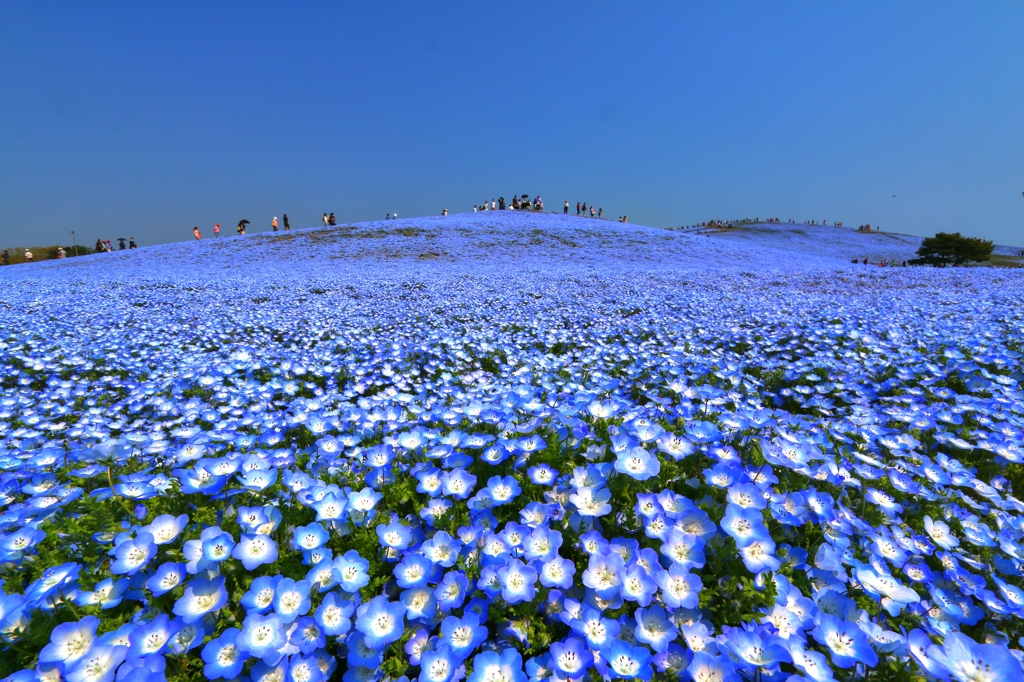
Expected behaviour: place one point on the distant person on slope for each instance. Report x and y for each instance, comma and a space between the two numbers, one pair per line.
60, 252
325, 220
565, 209
600, 212
577, 208
216, 230
131, 242
591, 211
195, 231
6, 258
286, 225
28, 256
241, 227
120, 243
273, 224
99, 246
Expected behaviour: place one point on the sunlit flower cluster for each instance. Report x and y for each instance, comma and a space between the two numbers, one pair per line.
419, 473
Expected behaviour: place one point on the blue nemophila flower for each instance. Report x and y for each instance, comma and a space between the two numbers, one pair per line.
262, 637
131, 556
463, 635
415, 570
304, 669
811, 663
260, 596
637, 585
684, 549
351, 571
165, 528
967, 661
940, 533
438, 665
591, 500
502, 489
542, 474
638, 464
69, 642
307, 538
419, 602
755, 651
518, 581
627, 662
291, 599
847, 642
107, 594
442, 549
557, 572
255, 550
598, 630
490, 665
418, 643
744, 524
708, 668
759, 556
97, 665
334, 615
150, 638
380, 621
202, 596
452, 590
654, 628
571, 658
394, 535
222, 657
307, 635
604, 574
679, 587
458, 483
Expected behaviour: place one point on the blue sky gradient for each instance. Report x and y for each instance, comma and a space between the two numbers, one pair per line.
143, 120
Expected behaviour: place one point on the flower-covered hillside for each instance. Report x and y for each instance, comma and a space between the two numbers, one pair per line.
310, 458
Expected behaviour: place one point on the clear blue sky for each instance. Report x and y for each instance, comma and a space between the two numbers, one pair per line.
144, 119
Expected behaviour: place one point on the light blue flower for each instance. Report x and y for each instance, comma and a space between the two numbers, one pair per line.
437, 665
255, 550
222, 656
490, 665
380, 621
202, 596
167, 576
291, 599
518, 581
334, 615
97, 665
262, 637
69, 642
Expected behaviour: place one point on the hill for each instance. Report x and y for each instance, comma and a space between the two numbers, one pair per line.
495, 239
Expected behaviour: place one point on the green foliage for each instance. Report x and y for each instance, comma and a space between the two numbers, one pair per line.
953, 249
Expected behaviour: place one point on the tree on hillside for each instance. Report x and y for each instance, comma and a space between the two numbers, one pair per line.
952, 249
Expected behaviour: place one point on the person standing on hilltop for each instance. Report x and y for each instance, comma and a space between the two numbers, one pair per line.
195, 231
6, 258
577, 208
565, 209
325, 220
584, 209
99, 246
286, 225
216, 230
600, 212
273, 224
131, 242
28, 256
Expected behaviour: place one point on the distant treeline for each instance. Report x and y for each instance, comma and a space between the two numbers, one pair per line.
39, 253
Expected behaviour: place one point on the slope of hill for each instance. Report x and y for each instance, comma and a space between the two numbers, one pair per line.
496, 239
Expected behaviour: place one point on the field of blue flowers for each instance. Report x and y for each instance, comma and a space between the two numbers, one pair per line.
399, 469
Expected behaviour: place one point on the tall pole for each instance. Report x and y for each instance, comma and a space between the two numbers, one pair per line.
75, 241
